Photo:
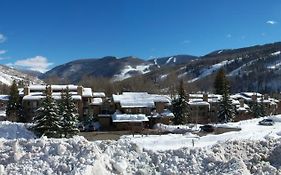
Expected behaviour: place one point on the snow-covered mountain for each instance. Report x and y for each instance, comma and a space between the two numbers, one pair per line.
172, 60
256, 68
250, 68
114, 68
8, 75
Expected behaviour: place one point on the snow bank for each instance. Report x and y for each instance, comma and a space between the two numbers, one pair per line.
250, 129
235, 157
253, 150
78, 156
10, 130
176, 128
50, 156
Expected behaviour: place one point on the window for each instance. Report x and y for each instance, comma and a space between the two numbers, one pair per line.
129, 110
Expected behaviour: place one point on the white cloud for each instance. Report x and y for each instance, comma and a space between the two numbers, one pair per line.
3, 52
186, 41
228, 35
271, 22
37, 63
2, 38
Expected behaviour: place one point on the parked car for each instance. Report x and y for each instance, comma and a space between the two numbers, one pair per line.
81, 127
207, 128
267, 122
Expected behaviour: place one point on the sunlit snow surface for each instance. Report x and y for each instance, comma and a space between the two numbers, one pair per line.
125, 73
253, 150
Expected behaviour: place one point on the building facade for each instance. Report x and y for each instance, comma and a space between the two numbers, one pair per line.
32, 95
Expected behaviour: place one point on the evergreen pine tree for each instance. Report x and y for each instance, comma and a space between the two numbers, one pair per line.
14, 106
257, 109
180, 106
46, 120
219, 82
226, 110
69, 115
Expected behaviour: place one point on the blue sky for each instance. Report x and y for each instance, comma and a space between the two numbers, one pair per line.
39, 35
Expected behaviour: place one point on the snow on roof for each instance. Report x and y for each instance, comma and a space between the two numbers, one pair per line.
167, 113
38, 96
87, 92
139, 99
98, 94
4, 97
137, 104
161, 98
116, 118
250, 94
97, 101
40, 87
198, 102
212, 98
247, 96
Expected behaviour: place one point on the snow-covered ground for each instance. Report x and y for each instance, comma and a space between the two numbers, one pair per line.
250, 130
253, 150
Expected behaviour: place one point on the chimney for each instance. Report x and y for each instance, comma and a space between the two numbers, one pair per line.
241, 102
205, 97
49, 90
26, 90
79, 90
265, 96
254, 97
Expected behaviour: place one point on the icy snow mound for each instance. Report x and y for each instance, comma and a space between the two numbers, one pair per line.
234, 157
50, 156
11, 130
78, 156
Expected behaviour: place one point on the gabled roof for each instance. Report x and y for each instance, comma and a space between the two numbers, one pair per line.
139, 99
38, 96
36, 92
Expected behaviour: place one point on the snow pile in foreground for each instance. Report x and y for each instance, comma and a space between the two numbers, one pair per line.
255, 149
11, 130
49, 156
78, 156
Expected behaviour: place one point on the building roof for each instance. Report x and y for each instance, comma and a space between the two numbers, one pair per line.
212, 98
41, 87
198, 102
36, 92
139, 99
97, 101
99, 94
38, 96
247, 96
87, 92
